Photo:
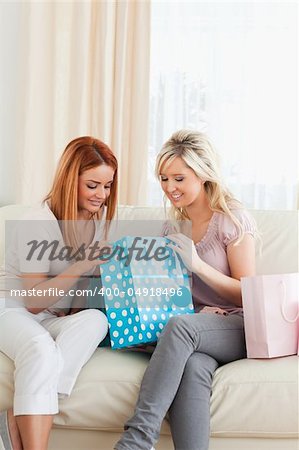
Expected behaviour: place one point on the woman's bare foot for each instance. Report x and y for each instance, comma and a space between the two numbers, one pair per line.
14, 431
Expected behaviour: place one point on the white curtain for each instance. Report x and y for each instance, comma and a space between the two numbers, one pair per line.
230, 69
71, 69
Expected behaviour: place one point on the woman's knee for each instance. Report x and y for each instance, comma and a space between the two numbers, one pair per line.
200, 366
94, 316
95, 321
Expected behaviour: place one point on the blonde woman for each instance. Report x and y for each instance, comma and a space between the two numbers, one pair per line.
49, 343
191, 347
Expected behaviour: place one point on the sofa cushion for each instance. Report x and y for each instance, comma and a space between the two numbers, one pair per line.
258, 398
253, 398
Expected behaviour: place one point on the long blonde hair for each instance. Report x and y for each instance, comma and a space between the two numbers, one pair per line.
195, 149
81, 154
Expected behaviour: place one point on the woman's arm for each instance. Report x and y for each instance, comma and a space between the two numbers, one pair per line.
62, 282
79, 303
241, 260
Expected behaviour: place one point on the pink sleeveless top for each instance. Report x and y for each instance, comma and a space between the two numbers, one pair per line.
212, 249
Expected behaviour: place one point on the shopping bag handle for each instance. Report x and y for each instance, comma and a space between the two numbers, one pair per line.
283, 304
175, 261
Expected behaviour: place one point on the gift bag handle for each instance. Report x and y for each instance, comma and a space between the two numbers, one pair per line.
175, 262
283, 304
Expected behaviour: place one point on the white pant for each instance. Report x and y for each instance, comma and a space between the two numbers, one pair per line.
48, 354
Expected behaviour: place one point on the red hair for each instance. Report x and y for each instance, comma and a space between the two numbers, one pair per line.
81, 154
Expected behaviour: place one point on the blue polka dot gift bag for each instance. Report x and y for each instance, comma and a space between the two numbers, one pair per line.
143, 284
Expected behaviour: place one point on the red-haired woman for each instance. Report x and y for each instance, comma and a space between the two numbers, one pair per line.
49, 345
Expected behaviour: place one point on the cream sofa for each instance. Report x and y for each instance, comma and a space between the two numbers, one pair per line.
254, 403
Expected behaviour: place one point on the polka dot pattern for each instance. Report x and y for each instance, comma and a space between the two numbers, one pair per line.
137, 316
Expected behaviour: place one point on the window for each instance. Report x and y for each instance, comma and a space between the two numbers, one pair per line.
230, 69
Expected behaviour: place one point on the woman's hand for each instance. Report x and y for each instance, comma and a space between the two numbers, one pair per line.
75, 310
213, 310
92, 259
186, 249
57, 312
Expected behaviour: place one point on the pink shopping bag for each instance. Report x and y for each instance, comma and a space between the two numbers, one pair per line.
270, 304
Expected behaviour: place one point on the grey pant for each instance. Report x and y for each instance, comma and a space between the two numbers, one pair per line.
179, 377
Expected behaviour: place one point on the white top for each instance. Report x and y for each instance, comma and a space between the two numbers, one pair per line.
35, 244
